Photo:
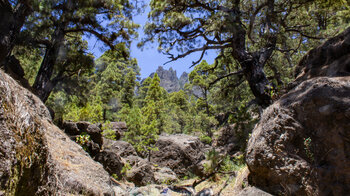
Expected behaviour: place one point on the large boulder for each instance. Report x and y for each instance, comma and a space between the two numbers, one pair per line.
301, 146
141, 173
122, 148
112, 155
181, 153
37, 158
331, 59
231, 139
71, 128
111, 161
138, 170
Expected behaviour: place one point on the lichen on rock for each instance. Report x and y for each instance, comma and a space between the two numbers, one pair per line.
36, 157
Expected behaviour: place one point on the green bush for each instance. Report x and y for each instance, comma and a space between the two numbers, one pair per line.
82, 140
205, 139
107, 131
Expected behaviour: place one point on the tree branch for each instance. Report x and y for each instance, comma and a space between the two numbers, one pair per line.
252, 20
303, 34
100, 36
204, 48
240, 72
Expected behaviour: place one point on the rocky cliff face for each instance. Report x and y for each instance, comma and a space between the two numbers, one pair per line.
169, 80
37, 158
301, 146
183, 80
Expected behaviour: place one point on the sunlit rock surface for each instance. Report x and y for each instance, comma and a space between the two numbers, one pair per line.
36, 157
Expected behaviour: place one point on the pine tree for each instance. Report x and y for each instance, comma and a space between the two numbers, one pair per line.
58, 26
115, 80
142, 92
154, 109
250, 32
178, 108
13, 15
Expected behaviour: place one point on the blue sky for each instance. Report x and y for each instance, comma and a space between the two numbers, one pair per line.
149, 58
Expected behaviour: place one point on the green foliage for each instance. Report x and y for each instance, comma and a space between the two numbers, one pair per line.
218, 163
154, 109
82, 140
273, 34
103, 90
205, 139
107, 131
30, 60
115, 176
98, 96
52, 39
214, 160
127, 167
115, 80
229, 165
142, 131
142, 91
177, 112
92, 111
308, 147
244, 124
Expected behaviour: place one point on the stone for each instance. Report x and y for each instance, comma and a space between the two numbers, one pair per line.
253, 191
111, 161
181, 153
36, 157
95, 134
75, 129
227, 140
241, 181
141, 174
83, 125
205, 192
118, 129
168, 79
122, 148
71, 128
331, 59
134, 160
164, 175
301, 145
92, 148
147, 190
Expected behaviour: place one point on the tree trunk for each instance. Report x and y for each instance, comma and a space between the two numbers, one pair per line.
259, 84
11, 22
104, 116
206, 102
43, 84
253, 64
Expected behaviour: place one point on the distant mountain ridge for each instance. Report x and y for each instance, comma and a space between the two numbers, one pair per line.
169, 80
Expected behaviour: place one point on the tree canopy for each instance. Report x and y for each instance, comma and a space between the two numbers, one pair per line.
56, 28
258, 44
250, 32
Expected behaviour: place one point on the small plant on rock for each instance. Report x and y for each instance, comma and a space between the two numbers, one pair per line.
82, 140
307, 144
127, 167
205, 139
